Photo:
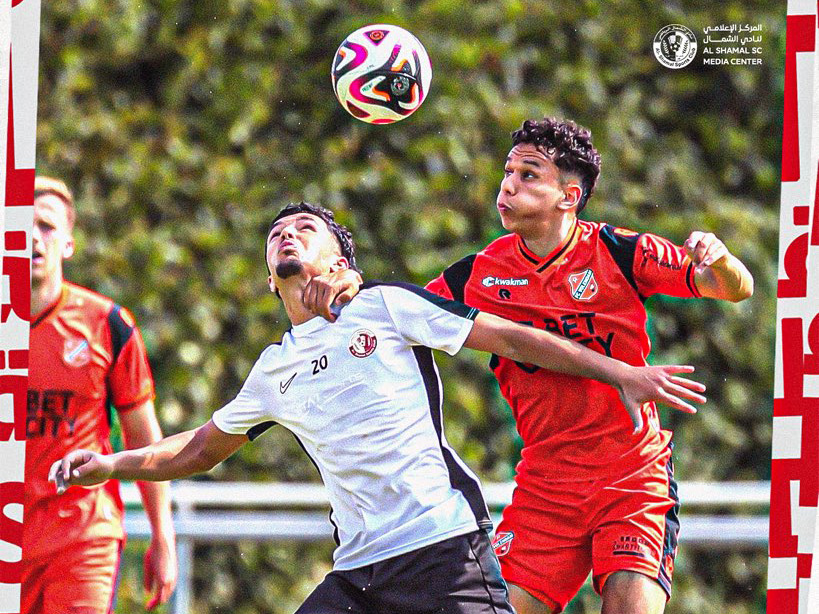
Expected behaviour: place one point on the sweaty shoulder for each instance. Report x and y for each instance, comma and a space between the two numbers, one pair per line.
500, 247
620, 243
91, 306
89, 301
451, 283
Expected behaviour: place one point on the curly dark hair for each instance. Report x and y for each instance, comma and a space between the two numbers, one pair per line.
342, 234
568, 145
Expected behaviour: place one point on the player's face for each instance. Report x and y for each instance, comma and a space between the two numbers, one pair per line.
299, 242
51, 238
531, 190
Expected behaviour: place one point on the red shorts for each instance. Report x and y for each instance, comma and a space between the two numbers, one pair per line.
554, 533
77, 580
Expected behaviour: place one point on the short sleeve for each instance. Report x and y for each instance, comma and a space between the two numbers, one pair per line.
247, 414
661, 267
451, 284
130, 383
438, 286
424, 318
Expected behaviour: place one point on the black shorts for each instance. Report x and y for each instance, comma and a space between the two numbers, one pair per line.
460, 575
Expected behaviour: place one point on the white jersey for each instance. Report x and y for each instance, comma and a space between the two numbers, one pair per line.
363, 398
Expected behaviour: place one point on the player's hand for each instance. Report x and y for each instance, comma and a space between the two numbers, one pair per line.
659, 384
333, 289
80, 468
160, 570
704, 249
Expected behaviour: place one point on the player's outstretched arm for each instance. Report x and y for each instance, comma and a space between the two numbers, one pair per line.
718, 273
636, 385
174, 457
141, 428
324, 291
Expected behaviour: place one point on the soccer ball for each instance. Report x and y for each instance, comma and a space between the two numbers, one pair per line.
381, 74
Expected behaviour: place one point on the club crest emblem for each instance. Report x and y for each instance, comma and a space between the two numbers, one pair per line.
503, 542
363, 343
76, 352
584, 285
675, 46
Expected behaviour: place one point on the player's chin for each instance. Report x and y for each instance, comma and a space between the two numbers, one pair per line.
288, 267
507, 219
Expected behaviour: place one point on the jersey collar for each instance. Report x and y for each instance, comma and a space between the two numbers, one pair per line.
45, 313
553, 257
310, 326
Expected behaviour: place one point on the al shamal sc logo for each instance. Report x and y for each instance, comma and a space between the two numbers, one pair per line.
675, 46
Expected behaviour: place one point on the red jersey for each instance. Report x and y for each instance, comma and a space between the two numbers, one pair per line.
86, 354
591, 289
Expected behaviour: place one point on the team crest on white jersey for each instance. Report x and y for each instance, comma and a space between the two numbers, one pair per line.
76, 352
363, 343
503, 542
584, 285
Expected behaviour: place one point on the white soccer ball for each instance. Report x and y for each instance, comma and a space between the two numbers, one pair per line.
381, 74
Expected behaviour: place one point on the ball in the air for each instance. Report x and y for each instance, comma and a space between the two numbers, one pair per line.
381, 74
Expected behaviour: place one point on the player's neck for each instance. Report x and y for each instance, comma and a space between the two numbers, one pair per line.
545, 238
291, 291
44, 293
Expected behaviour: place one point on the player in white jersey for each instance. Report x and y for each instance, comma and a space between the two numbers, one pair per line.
363, 397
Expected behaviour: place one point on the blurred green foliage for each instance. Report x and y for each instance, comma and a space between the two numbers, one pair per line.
184, 126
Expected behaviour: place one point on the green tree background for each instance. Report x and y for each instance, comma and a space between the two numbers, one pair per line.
184, 126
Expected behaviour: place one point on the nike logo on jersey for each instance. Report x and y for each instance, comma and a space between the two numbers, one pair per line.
283, 386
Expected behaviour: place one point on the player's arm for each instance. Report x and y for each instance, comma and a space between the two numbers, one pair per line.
636, 385
174, 457
333, 289
141, 428
718, 273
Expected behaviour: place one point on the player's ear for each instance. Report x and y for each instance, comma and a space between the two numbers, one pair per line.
68, 248
572, 193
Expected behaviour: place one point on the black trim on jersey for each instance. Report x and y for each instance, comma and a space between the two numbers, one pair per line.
622, 249
120, 331
255, 431
562, 250
525, 255
454, 307
689, 280
458, 478
315, 464
672, 527
456, 276
47, 312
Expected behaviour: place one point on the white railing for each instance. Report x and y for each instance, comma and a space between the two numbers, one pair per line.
213, 512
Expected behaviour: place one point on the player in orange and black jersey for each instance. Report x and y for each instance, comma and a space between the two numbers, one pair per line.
592, 493
86, 355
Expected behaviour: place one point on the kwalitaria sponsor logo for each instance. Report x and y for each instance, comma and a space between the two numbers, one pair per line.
675, 46
491, 280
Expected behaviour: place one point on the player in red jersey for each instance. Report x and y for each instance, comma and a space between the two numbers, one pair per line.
593, 494
86, 354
